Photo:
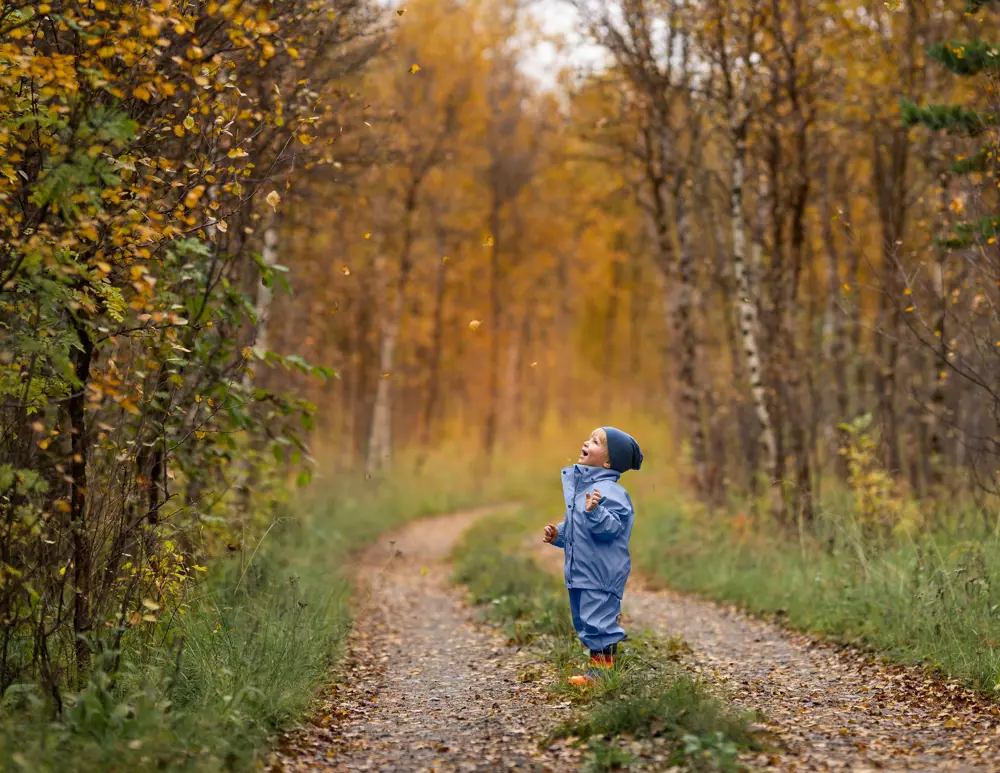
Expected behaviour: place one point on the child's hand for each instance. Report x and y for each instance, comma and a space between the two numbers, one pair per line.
593, 500
551, 532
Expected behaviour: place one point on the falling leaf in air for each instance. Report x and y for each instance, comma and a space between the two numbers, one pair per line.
400, 11
423, 571
474, 324
488, 240
534, 364
414, 69
274, 199
368, 235
346, 270
385, 375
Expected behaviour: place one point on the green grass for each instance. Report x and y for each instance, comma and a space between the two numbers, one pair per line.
931, 599
259, 638
648, 696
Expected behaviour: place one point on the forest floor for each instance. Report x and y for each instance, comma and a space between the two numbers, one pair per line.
826, 707
425, 687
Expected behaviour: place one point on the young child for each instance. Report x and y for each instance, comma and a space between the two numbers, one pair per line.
595, 535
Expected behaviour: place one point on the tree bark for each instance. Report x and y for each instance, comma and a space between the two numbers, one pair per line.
437, 342
79, 498
690, 398
496, 316
749, 315
834, 335
380, 437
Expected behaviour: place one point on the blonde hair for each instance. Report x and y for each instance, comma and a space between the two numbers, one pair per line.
602, 436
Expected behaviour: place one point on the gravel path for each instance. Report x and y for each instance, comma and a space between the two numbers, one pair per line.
827, 708
424, 687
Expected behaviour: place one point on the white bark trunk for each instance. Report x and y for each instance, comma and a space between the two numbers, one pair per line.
748, 313
269, 257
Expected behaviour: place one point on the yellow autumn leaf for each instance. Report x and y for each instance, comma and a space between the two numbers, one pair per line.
414, 69
346, 271
193, 196
400, 11
143, 93
237, 153
305, 139
474, 324
488, 240
273, 198
151, 605
222, 226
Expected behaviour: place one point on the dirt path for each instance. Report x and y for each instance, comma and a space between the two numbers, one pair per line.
424, 688
829, 709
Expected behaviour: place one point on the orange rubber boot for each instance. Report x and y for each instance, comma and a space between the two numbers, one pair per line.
600, 666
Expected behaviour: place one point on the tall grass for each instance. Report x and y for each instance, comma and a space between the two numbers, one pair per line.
930, 598
207, 690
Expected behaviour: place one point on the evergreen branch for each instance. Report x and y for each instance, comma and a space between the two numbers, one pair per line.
966, 234
981, 161
953, 119
966, 59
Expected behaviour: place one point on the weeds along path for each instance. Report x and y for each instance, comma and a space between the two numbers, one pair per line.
423, 687
827, 708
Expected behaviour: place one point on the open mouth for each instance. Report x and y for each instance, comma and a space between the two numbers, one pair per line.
584, 453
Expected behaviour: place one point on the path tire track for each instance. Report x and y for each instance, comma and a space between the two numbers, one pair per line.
424, 687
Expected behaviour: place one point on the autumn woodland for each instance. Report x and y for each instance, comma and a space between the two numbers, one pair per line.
252, 252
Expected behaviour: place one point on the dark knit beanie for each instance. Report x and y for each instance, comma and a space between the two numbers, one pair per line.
623, 451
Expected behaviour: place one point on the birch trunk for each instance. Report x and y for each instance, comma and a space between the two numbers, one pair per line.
269, 257
748, 312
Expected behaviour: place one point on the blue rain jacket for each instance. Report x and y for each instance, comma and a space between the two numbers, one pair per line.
596, 543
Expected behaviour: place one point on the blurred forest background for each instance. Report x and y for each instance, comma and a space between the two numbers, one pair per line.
761, 231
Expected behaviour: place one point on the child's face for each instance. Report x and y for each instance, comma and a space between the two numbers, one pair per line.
595, 450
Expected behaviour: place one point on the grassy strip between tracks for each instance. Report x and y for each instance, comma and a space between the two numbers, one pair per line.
647, 713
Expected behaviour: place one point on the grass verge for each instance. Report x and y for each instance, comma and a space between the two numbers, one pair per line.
208, 691
649, 711
930, 599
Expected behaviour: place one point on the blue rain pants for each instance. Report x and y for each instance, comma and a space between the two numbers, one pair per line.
595, 617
